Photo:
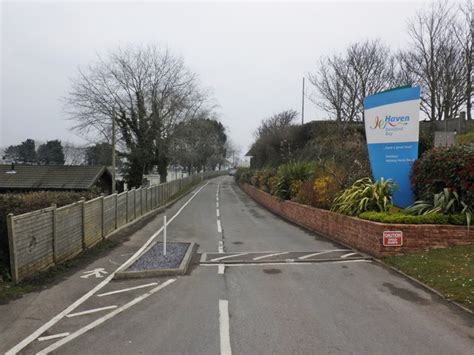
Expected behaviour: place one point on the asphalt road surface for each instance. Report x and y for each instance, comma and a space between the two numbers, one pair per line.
264, 286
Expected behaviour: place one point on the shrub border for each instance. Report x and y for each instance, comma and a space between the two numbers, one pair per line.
361, 234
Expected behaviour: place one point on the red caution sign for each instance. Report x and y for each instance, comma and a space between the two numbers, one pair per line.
392, 238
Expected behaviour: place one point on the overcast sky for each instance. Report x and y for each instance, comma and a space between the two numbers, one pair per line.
252, 55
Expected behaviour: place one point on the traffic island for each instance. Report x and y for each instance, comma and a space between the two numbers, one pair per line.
154, 263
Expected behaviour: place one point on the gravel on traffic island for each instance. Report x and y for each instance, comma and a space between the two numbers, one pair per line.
154, 258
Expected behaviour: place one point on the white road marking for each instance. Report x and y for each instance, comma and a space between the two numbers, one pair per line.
292, 263
126, 289
319, 253
219, 226
101, 320
54, 336
221, 269
224, 327
347, 255
217, 213
98, 273
217, 204
270, 255
220, 248
228, 256
70, 315
87, 295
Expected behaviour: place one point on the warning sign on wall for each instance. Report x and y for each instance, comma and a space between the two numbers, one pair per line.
392, 238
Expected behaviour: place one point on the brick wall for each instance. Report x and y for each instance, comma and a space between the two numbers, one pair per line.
361, 234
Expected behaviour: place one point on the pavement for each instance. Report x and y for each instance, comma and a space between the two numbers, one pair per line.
263, 286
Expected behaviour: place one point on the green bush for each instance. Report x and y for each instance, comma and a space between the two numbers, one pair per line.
466, 138
440, 168
264, 179
27, 202
365, 195
446, 202
403, 218
243, 175
290, 177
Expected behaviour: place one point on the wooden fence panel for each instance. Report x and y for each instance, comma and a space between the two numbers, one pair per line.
69, 233
121, 209
92, 221
144, 200
32, 243
149, 198
138, 202
131, 205
109, 214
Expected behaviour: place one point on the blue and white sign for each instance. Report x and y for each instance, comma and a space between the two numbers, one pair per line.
392, 129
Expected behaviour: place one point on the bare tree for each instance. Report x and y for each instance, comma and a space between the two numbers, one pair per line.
372, 66
148, 91
464, 33
434, 61
343, 81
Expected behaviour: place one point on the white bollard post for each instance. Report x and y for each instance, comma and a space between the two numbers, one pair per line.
164, 236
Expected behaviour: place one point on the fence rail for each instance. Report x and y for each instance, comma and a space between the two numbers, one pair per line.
46, 237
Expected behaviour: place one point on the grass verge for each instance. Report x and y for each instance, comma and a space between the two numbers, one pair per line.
10, 291
450, 271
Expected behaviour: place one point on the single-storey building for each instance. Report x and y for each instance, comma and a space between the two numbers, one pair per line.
19, 178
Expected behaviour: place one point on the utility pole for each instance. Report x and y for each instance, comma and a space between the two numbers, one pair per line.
113, 153
302, 105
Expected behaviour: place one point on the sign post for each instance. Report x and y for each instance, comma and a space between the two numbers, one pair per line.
392, 130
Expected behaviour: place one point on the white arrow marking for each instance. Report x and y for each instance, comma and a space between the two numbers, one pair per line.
99, 272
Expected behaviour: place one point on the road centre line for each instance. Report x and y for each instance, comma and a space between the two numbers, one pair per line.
319, 253
219, 226
218, 214
54, 336
220, 248
270, 255
101, 320
291, 263
347, 255
224, 328
70, 315
221, 269
217, 204
228, 256
87, 295
127, 289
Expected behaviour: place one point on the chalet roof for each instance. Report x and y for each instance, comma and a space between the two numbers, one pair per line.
51, 177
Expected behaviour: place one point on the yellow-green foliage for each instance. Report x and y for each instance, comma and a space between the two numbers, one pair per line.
466, 138
365, 195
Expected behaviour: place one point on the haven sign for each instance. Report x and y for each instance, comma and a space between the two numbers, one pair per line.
392, 129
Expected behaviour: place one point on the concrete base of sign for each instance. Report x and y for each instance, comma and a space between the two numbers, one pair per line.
182, 269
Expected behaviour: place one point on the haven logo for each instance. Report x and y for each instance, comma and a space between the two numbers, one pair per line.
390, 123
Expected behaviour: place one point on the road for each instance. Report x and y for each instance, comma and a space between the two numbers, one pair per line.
245, 305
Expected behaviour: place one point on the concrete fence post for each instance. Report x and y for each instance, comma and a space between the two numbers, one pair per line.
134, 203
12, 247
83, 207
54, 221
102, 219
126, 206
116, 211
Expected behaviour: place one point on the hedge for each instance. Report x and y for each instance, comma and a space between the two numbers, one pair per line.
451, 167
403, 218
